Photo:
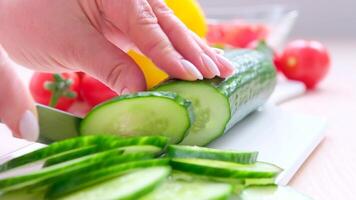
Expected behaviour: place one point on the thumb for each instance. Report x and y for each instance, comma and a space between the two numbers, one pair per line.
17, 108
110, 65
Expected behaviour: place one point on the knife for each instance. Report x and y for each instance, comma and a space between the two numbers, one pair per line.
56, 125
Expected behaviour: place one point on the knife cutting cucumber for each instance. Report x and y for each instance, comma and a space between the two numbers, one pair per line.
178, 190
145, 113
130, 186
181, 151
225, 169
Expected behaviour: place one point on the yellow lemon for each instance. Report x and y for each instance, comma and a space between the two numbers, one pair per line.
190, 13
152, 73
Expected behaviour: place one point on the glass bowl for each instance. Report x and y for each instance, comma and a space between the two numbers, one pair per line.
240, 26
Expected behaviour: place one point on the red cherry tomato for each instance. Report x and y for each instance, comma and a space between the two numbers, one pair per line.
306, 61
94, 92
60, 92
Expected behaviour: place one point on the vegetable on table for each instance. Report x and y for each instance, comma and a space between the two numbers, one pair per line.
305, 61
55, 90
142, 174
218, 104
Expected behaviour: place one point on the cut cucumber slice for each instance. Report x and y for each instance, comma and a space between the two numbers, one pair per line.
225, 169
68, 149
54, 173
271, 193
129, 186
180, 151
219, 104
70, 155
198, 190
142, 148
211, 109
61, 188
145, 113
56, 148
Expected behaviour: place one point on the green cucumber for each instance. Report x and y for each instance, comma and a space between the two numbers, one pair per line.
271, 193
198, 190
225, 169
54, 149
144, 113
219, 104
61, 188
130, 186
180, 151
142, 148
70, 155
67, 148
54, 173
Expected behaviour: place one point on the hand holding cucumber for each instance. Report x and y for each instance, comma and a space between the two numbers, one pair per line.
93, 36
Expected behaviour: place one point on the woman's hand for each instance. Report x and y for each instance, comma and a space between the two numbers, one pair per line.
93, 35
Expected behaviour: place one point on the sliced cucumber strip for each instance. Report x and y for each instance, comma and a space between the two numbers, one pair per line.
219, 104
56, 148
23, 195
180, 151
271, 193
129, 186
141, 114
198, 190
142, 148
70, 155
72, 148
225, 169
61, 188
54, 173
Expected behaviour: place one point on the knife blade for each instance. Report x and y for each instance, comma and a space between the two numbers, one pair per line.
56, 124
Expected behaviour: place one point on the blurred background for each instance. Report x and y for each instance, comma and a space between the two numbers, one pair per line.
334, 19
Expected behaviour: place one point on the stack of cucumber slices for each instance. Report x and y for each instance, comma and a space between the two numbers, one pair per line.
143, 168
190, 113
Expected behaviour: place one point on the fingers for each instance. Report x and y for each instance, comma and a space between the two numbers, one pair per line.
112, 66
181, 39
225, 66
17, 108
139, 22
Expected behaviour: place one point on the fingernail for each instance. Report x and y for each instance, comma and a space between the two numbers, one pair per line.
209, 63
125, 91
192, 70
218, 51
226, 63
28, 127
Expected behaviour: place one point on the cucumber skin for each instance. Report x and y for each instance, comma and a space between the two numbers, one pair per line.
103, 142
168, 95
218, 172
247, 89
64, 186
251, 85
55, 148
180, 151
57, 172
70, 155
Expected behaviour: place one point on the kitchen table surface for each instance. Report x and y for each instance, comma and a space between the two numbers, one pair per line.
330, 172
